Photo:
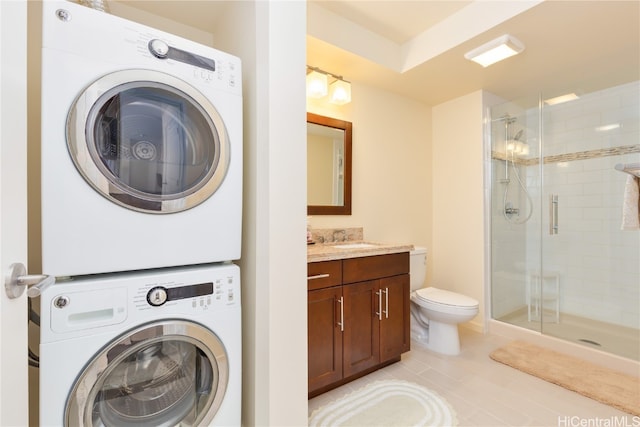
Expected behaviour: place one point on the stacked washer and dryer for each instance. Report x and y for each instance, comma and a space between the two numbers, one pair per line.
141, 218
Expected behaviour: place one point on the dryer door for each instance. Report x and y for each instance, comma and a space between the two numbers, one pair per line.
162, 374
148, 141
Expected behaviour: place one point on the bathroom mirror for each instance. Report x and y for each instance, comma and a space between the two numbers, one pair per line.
328, 166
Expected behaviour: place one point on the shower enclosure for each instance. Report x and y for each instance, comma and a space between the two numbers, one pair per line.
560, 262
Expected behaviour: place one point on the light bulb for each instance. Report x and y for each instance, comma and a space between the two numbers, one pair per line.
316, 84
340, 92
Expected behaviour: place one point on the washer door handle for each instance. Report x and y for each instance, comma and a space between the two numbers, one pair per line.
17, 280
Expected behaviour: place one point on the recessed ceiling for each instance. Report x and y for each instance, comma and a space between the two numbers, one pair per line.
570, 46
398, 21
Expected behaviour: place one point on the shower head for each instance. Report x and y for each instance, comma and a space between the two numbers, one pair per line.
518, 135
505, 118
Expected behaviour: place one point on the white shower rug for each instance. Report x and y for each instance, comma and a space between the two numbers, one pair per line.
386, 403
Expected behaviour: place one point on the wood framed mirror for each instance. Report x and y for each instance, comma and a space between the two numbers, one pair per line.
328, 166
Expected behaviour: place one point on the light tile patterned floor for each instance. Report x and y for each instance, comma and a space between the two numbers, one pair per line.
486, 393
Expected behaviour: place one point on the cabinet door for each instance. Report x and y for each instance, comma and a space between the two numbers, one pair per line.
362, 327
324, 337
394, 326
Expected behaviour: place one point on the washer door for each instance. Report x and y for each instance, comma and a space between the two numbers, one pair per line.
162, 374
148, 141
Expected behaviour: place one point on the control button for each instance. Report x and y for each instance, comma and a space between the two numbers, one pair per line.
193, 304
157, 296
158, 48
230, 295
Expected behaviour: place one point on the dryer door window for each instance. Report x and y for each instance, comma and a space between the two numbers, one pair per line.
148, 141
163, 374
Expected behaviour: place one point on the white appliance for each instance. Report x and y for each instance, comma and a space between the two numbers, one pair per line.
141, 146
154, 348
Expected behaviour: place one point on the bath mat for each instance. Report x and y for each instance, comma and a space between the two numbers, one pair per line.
604, 385
386, 403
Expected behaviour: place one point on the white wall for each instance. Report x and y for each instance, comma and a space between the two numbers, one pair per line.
458, 199
274, 252
391, 166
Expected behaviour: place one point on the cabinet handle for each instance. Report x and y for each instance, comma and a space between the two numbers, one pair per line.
341, 322
379, 312
386, 297
318, 276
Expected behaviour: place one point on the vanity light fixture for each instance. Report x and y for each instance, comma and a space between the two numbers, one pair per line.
316, 84
496, 50
339, 90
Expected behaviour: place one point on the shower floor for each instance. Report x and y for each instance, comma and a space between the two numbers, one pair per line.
615, 339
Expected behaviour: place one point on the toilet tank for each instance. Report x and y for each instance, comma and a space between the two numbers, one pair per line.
418, 267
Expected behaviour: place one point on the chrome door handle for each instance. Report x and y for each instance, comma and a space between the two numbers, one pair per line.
318, 276
341, 322
379, 312
553, 214
386, 297
17, 280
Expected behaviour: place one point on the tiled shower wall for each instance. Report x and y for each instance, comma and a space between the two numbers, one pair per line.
597, 263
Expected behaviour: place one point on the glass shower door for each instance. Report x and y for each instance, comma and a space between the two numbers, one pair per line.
590, 281
561, 264
515, 213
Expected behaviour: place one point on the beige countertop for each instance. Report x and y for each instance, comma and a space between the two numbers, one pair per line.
352, 249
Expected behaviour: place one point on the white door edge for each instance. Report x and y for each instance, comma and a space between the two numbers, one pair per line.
13, 209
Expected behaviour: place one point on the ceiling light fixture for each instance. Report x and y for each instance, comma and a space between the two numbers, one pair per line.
562, 98
605, 128
496, 50
339, 90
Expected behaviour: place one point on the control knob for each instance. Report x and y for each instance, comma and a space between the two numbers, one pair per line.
157, 296
159, 48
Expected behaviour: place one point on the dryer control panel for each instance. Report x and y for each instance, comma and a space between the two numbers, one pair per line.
87, 305
185, 296
159, 295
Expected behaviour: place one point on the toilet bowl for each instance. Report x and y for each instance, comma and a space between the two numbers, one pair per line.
436, 313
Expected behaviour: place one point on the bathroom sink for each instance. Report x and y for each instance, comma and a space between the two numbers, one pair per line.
355, 246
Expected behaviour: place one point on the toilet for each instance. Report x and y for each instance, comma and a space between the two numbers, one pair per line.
436, 313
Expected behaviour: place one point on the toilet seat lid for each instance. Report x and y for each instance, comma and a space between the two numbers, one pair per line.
440, 296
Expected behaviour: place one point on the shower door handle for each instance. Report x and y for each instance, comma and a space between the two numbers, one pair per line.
553, 214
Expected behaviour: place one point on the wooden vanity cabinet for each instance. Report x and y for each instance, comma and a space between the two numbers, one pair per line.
359, 323
324, 300
324, 337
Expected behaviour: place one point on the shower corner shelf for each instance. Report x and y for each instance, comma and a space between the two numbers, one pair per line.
543, 292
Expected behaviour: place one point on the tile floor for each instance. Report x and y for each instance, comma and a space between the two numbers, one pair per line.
487, 393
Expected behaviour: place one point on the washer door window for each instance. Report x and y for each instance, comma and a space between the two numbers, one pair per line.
163, 374
148, 141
